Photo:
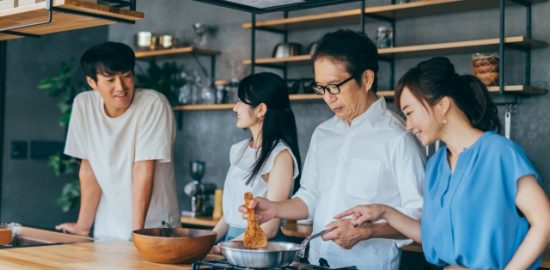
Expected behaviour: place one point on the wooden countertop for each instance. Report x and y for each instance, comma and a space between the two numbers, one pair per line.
116, 254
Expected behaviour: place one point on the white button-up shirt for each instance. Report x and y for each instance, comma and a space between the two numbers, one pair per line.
373, 160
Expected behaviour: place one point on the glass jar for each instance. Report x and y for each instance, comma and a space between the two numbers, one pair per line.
221, 91
208, 94
232, 89
384, 37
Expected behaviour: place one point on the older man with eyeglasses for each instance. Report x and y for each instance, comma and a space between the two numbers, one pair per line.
361, 155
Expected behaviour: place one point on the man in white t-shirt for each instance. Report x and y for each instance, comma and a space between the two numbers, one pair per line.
124, 138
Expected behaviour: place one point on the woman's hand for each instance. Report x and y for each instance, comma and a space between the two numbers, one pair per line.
362, 214
216, 250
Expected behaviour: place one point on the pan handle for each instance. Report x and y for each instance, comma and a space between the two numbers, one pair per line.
304, 243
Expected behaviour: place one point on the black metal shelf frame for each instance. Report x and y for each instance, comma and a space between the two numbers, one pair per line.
391, 60
284, 32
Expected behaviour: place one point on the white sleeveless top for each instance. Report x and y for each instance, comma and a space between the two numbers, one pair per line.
242, 157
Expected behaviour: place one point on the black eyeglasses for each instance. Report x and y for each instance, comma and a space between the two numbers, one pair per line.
333, 89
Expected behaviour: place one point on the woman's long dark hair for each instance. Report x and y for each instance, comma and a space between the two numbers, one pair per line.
436, 78
278, 124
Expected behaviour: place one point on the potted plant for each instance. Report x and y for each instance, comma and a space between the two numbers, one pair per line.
65, 85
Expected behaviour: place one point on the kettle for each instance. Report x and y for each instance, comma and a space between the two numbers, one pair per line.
286, 49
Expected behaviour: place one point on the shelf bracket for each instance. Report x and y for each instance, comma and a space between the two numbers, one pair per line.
201, 66
505, 99
49, 20
380, 18
517, 47
271, 66
522, 2
99, 16
502, 36
21, 34
270, 29
363, 16
119, 3
179, 120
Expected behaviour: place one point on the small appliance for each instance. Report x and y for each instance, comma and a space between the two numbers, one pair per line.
199, 192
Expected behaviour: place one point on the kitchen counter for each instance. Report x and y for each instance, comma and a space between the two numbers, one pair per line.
117, 254
294, 229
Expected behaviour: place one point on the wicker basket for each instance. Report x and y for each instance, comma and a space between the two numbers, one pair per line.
485, 68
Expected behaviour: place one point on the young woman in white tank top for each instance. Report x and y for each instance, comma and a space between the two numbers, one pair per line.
266, 164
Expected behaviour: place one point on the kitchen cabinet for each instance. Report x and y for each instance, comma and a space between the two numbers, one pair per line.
65, 15
393, 12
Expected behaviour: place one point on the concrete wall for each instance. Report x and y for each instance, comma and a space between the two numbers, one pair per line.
208, 135
29, 187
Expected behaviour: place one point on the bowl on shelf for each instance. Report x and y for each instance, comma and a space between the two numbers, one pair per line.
173, 245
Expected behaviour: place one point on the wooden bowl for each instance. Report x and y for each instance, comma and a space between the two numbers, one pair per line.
177, 245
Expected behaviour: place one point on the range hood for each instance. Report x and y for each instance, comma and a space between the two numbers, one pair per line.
266, 6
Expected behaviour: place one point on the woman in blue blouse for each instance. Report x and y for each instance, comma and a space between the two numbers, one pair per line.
484, 207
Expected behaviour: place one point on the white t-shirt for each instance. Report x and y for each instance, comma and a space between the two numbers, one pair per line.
373, 160
242, 157
144, 132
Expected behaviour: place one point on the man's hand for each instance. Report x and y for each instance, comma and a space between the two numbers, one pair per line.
344, 234
264, 209
364, 214
72, 228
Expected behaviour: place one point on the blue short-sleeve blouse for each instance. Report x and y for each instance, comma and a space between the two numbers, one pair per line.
470, 217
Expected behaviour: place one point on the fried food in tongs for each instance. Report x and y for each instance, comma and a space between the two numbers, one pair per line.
254, 236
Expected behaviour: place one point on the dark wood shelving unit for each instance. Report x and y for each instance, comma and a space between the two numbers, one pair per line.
66, 15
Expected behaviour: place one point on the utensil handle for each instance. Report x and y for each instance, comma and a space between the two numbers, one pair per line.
507, 122
304, 243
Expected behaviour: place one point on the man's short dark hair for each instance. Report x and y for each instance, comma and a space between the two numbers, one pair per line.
353, 48
108, 58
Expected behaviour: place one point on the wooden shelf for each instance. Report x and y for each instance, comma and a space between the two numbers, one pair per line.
204, 107
174, 51
512, 89
425, 49
396, 11
61, 20
229, 106
460, 46
519, 89
281, 60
